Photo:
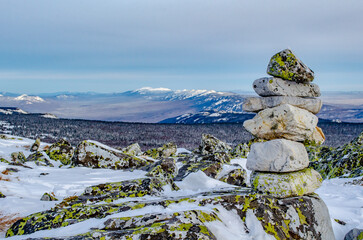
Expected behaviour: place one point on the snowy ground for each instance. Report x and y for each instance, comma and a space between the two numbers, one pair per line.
25, 188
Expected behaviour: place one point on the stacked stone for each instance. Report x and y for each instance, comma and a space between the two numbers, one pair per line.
285, 118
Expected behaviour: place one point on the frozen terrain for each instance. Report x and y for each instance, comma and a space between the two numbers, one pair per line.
25, 188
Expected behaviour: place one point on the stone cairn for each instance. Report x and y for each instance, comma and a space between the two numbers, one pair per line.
285, 118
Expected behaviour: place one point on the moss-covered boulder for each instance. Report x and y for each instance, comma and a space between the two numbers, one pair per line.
36, 145
167, 150
165, 170
354, 234
287, 66
344, 161
40, 159
130, 188
133, 149
18, 157
283, 185
211, 145
236, 177
48, 197
3, 136
304, 217
96, 155
2, 195
61, 151
241, 150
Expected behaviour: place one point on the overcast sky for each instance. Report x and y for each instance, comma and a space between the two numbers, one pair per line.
119, 45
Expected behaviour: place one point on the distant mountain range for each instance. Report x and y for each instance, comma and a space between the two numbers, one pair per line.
166, 105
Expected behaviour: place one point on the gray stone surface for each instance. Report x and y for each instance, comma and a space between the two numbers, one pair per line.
287, 66
284, 121
271, 86
283, 185
255, 104
354, 234
279, 155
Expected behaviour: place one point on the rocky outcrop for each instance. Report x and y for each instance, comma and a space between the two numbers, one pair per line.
18, 158
2, 195
304, 217
271, 86
256, 104
35, 146
48, 197
344, 161
61, 151
40, 159
284, 121
167, 150
287, 66
278, 155
211, 145
236, 177
96, 155
133, 149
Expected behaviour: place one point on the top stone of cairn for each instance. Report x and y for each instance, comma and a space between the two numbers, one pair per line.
287, 66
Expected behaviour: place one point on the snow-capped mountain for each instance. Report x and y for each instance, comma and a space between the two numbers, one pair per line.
29, 99
157, 104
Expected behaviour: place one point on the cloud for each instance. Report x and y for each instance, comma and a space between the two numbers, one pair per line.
187, 38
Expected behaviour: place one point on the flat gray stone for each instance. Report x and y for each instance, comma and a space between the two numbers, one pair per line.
271, 86
287, 66
284, 121
279, 155
255, 104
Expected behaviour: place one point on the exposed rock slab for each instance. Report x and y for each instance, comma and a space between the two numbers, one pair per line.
278, 155
256, 104
96, 155
304, 217
283, 185
284, 121
287, 66
271, 86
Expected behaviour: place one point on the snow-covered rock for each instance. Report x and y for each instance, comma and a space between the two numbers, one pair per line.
272, 86
279, 155
284, 121
96, 155
133, 149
